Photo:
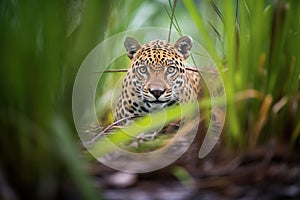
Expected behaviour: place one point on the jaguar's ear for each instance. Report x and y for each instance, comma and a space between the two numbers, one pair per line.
184, 45
132, 46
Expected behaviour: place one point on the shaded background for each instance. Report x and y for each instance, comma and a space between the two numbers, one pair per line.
255, 44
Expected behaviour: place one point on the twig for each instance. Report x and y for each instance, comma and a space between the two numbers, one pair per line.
109, 127
187, 68
112, 71
202, 71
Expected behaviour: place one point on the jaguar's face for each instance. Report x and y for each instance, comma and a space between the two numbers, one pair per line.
158, 84
157, 70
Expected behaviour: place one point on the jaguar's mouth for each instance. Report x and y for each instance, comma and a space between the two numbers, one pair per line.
158, 101
167, 102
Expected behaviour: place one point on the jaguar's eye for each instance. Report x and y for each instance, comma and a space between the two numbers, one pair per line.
142, 69
171, 70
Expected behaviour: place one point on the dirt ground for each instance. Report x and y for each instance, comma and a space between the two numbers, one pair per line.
268, 172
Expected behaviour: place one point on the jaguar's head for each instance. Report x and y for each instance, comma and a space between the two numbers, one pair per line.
157, 71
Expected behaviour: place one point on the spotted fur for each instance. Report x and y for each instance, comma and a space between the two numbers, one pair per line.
157, 78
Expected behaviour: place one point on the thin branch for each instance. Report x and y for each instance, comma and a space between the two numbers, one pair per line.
108, 128
187, 68
113, 70
200, 70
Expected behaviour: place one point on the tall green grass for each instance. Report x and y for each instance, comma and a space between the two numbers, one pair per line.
42, 46
260, 55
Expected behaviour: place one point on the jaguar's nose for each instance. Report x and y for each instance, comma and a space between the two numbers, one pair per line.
157, 92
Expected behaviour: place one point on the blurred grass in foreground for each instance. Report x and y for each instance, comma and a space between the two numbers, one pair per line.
260, 60
42, 46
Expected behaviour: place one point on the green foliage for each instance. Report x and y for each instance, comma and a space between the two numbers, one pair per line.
42, 46
260, 56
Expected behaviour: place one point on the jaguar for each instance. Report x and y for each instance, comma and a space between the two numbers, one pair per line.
158, 77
